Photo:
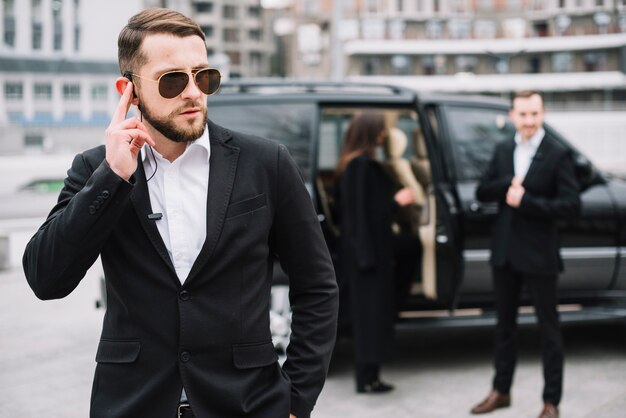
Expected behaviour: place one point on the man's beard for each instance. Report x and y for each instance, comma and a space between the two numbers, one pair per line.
167, 127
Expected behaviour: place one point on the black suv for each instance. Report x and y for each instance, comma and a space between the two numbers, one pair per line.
450, 142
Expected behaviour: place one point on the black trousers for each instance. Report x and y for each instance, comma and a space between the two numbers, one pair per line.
543, 293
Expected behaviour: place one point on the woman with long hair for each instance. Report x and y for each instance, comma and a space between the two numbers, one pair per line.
366, 203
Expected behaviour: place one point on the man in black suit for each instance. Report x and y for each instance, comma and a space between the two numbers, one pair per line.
188, 222
532, 178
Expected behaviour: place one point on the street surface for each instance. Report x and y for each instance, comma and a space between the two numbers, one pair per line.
47, 352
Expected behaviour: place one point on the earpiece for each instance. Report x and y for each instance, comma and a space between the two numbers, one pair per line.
129, 76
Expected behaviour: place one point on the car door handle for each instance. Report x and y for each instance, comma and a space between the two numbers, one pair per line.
475, 207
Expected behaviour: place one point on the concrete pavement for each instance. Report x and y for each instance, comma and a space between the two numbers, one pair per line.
47, 352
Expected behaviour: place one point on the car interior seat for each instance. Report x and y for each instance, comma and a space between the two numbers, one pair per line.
420, 165
402, 172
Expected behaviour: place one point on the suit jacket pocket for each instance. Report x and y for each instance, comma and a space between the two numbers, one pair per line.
246, 206
110, 351
248, 356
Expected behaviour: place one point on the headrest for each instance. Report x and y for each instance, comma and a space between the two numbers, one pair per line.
420, 145
396, 143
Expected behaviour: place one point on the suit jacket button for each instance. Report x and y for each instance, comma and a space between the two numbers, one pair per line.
184, 295
185, 356
95, 204
92, 210
105, 194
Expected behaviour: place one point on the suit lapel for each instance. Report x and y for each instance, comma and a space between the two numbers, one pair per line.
222, 170
508, 157
141, 201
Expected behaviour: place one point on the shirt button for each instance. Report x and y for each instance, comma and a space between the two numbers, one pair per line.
178, 256
185, 356
184, 295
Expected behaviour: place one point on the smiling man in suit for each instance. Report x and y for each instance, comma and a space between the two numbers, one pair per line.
188, 218
532, 178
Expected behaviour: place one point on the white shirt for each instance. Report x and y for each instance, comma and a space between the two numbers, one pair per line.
525, 151
179, 190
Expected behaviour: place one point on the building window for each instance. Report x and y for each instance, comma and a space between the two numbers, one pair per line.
533, 65
203, 7
208, 31
466, 63
562, 62
460, 29
256, 60
234, 57
255, 34
9, 22
58, 37
599, 3
71, 91
13, 90
428, 64
37, 35
434, 29
372, 66
57, 24
77, 38
99, 92
76, 25
43, 91
254, 11
231, 35
595, 61
400, 65
230, 12
33, 141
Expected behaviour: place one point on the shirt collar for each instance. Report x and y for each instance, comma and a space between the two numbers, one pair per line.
534, 140
203, 142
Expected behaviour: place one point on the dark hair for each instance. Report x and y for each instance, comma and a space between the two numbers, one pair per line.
150, 21
361, 137
525, 94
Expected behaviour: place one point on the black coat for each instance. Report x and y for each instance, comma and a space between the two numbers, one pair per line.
210, 335
527, 237
366, 206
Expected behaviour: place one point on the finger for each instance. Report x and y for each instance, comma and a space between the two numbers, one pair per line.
138, 137
123, 105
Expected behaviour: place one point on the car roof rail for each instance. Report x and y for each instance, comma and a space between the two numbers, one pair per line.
299, 86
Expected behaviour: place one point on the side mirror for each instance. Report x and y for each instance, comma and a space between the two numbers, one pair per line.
586, 173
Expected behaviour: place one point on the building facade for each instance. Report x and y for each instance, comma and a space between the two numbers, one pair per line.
58, 63
575, 50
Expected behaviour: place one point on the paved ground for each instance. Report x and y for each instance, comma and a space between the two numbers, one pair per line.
47, 352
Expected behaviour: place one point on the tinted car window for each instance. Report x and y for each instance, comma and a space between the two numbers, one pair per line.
475, 133
288, 123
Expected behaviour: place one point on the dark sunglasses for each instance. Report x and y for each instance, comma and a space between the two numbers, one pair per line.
173, 83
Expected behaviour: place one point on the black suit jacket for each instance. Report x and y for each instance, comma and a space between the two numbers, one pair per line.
211, 334
527, 236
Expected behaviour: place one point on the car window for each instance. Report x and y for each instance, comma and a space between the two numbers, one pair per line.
288, 124
335, 122
474, 134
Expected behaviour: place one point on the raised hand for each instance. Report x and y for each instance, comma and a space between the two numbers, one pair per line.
124, 138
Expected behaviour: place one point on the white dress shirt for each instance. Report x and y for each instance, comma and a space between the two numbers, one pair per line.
525, 151
178, 190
